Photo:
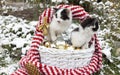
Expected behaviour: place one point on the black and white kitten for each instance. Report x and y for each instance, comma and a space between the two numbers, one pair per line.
81, 36
62, 19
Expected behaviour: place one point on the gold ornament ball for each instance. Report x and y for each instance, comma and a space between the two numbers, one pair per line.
77, 48
60, 47
53, 45
70, 48
47, 44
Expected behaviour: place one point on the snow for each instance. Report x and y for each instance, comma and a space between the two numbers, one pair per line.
9, 69
1, 50
57, 0
108, 3
106, 49
13, 27
15, 31
88, 0
19, 42
25, 49
14, 6
107, 52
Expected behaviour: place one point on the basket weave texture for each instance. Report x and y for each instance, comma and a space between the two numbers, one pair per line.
66, 58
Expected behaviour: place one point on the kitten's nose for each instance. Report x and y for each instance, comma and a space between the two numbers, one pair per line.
58, 21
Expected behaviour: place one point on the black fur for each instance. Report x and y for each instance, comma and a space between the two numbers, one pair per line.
55, 9
76, 29
56, 15
99, 1
64, 14
68, 41
90, 22
87, 22
96, 26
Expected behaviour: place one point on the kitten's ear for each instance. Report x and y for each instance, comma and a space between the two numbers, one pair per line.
96, 21
55, 10
67, 11
96, 25
87, 21
92, 21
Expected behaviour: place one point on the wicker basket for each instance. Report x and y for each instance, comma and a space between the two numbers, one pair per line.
50, 61
66, 58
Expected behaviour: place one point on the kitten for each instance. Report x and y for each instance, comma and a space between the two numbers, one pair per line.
81, 36
62, 19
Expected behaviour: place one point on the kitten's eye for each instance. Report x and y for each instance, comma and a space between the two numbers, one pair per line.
56, 15
65, 17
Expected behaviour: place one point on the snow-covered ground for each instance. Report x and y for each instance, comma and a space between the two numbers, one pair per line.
9, 69
15, 31
19, 32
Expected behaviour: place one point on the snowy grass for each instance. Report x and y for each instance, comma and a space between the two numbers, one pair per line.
17, 32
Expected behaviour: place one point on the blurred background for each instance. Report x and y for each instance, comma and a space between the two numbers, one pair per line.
19, 17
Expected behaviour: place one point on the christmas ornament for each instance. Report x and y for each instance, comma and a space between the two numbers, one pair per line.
60, 44
70, 48
77, 48
44, 26
32, 69
66, 46
53, 45
47, 44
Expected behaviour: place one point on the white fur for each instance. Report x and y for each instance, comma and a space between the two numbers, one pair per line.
82, 37
57, 28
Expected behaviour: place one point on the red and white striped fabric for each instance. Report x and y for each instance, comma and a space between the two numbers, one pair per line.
33, 57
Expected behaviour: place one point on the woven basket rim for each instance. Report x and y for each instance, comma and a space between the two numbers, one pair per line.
54, 50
